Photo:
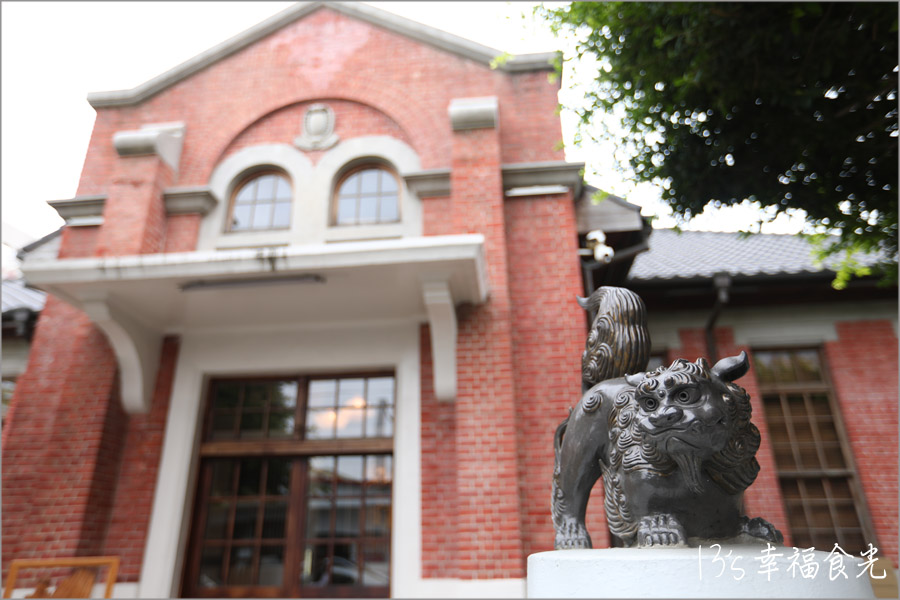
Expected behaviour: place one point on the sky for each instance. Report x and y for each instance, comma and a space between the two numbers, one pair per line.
55, 53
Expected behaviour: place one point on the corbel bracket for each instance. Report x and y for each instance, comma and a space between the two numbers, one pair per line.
137, 349
442, 323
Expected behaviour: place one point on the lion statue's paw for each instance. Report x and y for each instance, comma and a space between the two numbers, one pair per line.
660, 530
572, 536
762, 529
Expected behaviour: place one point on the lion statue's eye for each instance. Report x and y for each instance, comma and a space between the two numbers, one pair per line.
684, 396
650, 404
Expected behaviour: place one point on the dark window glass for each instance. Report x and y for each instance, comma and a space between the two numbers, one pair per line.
367, 195
262, 202
817, 480
282, 509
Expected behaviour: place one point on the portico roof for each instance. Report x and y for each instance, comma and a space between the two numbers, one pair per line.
138, 299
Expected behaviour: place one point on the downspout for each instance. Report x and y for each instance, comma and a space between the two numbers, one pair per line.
722, 284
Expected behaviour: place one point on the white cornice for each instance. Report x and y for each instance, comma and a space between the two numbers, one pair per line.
79, 208
186, 200
473, 113
411, 29
525, 175
428, 184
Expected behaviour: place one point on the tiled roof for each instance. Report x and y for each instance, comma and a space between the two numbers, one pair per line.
700, 254
16, 295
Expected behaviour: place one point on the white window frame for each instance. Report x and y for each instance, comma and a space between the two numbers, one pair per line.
353, 346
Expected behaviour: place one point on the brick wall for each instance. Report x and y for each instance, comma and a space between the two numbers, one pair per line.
351, 119
182, 232
132, 501
488, 528
863, 367
440, 510
61, 441
78, 242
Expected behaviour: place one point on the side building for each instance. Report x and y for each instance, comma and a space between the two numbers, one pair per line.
823, 377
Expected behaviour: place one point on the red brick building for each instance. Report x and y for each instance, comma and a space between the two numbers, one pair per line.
311, 326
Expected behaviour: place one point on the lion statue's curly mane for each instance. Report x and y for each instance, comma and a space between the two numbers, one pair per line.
733, 468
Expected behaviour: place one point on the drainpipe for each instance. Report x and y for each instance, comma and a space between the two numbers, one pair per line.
722, 283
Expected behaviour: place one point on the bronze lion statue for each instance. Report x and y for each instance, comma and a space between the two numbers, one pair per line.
675, 446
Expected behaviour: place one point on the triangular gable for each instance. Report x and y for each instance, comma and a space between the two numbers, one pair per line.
405, 27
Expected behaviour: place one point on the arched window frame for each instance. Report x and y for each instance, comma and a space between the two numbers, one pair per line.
245, 179
355, 168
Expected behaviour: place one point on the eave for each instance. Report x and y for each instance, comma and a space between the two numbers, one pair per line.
405, 27
136, 300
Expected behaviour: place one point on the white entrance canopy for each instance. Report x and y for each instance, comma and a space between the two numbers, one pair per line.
138, 299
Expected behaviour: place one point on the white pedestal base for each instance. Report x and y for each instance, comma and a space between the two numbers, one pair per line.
685, 573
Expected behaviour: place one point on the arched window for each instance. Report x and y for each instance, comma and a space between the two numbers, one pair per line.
261, 201
366, 195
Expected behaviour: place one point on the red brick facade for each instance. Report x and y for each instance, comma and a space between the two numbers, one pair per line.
377, 83
79, 475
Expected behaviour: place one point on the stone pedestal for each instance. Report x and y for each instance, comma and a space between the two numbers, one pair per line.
729, 572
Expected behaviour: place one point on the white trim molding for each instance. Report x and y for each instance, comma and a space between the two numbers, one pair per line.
313, 188
535, 190
811, 324
137, 299
399, 155
428, 184
550, 173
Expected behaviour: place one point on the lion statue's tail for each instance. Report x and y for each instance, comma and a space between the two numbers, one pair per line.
618, 342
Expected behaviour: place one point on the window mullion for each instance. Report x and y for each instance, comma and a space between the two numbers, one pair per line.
832, 510
789, 427
814, 427
295, 530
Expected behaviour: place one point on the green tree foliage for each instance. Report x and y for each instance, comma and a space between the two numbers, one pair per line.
793, 105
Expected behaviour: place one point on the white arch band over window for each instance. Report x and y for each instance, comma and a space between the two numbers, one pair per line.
313, 189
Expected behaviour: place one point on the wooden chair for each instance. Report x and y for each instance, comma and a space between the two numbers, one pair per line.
79, 584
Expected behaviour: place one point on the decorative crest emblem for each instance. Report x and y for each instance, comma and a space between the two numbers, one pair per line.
318, 129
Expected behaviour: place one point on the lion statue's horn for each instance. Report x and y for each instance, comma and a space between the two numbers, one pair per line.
732, 367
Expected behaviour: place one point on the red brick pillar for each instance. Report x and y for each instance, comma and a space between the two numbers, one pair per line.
63, 441
488, 529
548, 334
134, 218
